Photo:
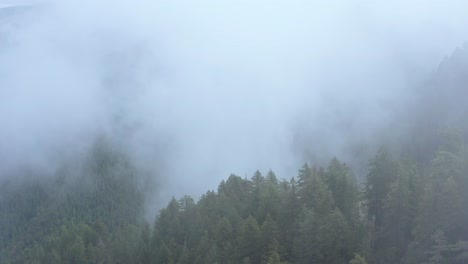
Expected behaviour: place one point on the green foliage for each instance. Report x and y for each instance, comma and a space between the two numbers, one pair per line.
263, 220
383, 170
60, 219
405, 212
320, 218
164, 254
358, 259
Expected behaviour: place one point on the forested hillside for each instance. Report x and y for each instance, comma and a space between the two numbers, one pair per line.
438, 103
402, 213
408, 204
86, 213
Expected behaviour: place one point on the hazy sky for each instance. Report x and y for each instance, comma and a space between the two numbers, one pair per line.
202, 89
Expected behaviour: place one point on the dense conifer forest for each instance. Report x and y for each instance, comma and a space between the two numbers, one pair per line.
409, 205
403, 212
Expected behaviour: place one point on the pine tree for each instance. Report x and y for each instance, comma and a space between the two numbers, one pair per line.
313, 192
383, 170
439, 247
144, 247
164, 255
358, 259
335, 239
393, 238
307, 244
250, 240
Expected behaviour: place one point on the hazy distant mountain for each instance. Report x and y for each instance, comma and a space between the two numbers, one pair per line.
440, 103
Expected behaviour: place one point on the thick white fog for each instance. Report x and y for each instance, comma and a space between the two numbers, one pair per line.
197, 90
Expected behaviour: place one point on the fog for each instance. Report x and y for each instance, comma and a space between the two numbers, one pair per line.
196, 90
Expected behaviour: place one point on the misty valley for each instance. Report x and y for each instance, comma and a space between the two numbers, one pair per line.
405, 211
254, 132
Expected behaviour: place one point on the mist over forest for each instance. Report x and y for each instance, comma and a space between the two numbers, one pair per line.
233, 132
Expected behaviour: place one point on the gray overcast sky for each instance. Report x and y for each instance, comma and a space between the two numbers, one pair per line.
202, 89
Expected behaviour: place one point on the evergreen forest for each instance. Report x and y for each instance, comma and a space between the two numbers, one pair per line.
406, 203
